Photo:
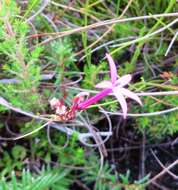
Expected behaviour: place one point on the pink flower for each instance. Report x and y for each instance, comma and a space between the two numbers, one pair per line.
115, 86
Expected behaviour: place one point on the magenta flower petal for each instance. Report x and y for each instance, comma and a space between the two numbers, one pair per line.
113, 70
114, 86
123, 80
94, 99
104, 84
121, 100
130, 94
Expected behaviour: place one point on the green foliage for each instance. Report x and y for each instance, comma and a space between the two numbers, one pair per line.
21, 64
55, 180
73, 154
159, 126
127, 68
67, 151
174, 80
12, 159
125, 30
21, 60
7, 6
19, 152
92, 74
32, 5
107, 179
62, 57
61, 51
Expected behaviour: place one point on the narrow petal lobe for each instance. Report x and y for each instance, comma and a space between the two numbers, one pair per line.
131, 95
121, 100
123, 80
113, 70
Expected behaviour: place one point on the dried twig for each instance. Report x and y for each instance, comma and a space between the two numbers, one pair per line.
142, 157
103, 23
83, 137
160, 163
143, 114
172, 41
162, 172
108, 22
16, 81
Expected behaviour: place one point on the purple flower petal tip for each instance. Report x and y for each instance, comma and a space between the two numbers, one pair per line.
130, 94
113, 70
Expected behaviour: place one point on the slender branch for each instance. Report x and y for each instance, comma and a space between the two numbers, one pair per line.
103, 23
171, 44
15, 81
106, 44
161, 164
143, 114
162, 172
108, 22
83, 137
6, 104
147, 36
164, 93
